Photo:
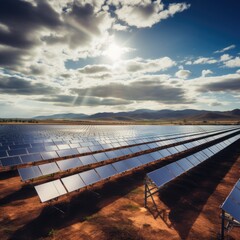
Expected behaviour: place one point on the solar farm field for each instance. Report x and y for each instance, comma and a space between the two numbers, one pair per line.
119, 182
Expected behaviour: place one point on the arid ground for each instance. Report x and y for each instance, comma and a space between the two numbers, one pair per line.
189, 207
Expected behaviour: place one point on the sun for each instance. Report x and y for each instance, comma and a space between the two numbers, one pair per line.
114, 52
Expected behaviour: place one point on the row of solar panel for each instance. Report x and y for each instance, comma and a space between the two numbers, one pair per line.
64, 165
68, 140
164, 175
231, 204
12, 150
38, 154
77, 181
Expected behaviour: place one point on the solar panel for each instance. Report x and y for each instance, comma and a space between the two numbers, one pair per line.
100, 157
11, 161
106, 171
185, 164
50, 190
133, 162
67, 164
49, 155
68, 152
89, 177
232, 203
73, 183
156, 155
16, 152
29, 173
48, 168
31, 158
146, 158
175, 169
89, 159
164, 152
121, 166
193, 160
161, 176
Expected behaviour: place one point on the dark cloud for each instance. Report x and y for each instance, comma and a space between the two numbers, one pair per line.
226, 85
13, 85
139, 91
22, 19
70, 101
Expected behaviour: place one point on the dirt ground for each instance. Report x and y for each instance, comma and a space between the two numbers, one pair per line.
116, 210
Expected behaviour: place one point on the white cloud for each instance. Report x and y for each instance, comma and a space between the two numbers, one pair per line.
183, 74
206, 72
225, 57
205, 60
232, 63
146, 13
225, 49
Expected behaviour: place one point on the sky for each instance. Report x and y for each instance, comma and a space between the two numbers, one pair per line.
89, 56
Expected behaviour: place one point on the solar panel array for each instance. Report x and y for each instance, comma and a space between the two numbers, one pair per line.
83, 161
68, 158
232, 203
94, 175
165, 174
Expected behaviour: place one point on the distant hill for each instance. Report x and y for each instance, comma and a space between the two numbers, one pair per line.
146, 114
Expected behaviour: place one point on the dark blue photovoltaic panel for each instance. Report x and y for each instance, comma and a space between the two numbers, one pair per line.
19, 146
111, 154
106, 171
185, 164
175, 169
181, 148
73, 183
3, 154
144, 147
156, 155
126, 151
121, 166
29, 173
11, 161
89, 159
161, 176
36, 149
152, 145
100, 157
68, 152
172, 150
164, 153
16, 152
232, 203
146, 158
193, 160
133, 162
89, 177
67, 164
31, 158
49, 155
135, 149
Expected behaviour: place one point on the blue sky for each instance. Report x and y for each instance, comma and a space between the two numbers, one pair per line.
93, 56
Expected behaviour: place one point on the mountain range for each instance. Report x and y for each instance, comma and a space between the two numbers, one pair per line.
146, 114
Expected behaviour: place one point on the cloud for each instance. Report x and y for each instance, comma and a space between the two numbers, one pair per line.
227, 83
233, 63
74, 101
183, 74
93, 69
225, 49
146, 13
225, 57
18, 86
145, 89
204, 60
206, 72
